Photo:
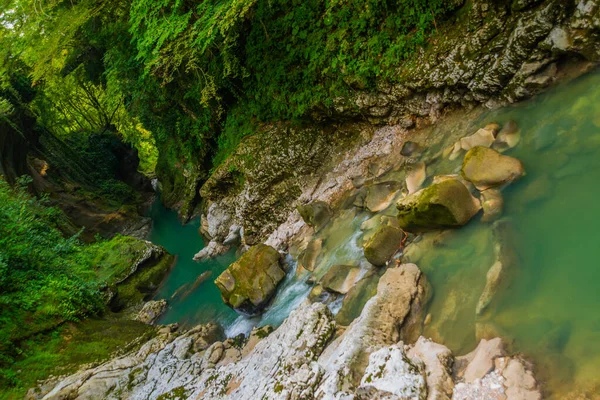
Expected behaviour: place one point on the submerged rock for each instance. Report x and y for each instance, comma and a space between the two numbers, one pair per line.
492, 203
483, 137
486, 168
447, 203
409, 148
249, 283
380, 195
340, 278
505, 266
386, 241
508, 137
416, 177
316, 214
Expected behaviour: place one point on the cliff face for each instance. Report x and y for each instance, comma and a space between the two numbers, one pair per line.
490, 53
98, 188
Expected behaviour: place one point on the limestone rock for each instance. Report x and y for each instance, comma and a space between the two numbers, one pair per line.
212, 249
386, 241
377, 327
444, 204
151, 311
391, 374
316, 214
249, 283
481, 360
340, 278
486, 168
438, 361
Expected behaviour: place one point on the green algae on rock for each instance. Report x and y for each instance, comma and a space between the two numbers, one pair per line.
486, 168
248, 284
445, 204
386, 241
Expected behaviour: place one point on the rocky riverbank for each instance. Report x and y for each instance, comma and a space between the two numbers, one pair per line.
308, 356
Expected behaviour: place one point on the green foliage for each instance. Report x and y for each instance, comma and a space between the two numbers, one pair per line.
45, 278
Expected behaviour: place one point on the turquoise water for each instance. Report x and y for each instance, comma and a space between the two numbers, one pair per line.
550, 310
188, 305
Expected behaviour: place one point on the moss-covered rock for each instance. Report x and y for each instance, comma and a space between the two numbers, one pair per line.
486, 168
248, 284
447, 203
383, 245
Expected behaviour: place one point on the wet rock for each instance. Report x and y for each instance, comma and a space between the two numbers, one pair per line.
508, 137
483, 137
505, 266
340, 278
249, 283
520, 383
212, 249
480, 361
391, 374
151, 311
416, 177
438, 361
233, 236
347, 357
356, 298
380, 195
492, 203
442, 205
316, 214
308, 260
386, 241
486, 168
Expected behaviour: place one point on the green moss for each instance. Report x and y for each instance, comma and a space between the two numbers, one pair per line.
63, 350
175, 394
278, 388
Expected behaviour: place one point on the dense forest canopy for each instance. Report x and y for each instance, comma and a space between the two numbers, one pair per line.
176, 71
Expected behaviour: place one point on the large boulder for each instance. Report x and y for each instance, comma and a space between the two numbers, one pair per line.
486, 168
386, 241
249, 283
445, 204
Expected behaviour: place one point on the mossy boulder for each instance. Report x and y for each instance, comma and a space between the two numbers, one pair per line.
386, 241
316, 214
248, 284
340, 278
445, 204
486, 168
